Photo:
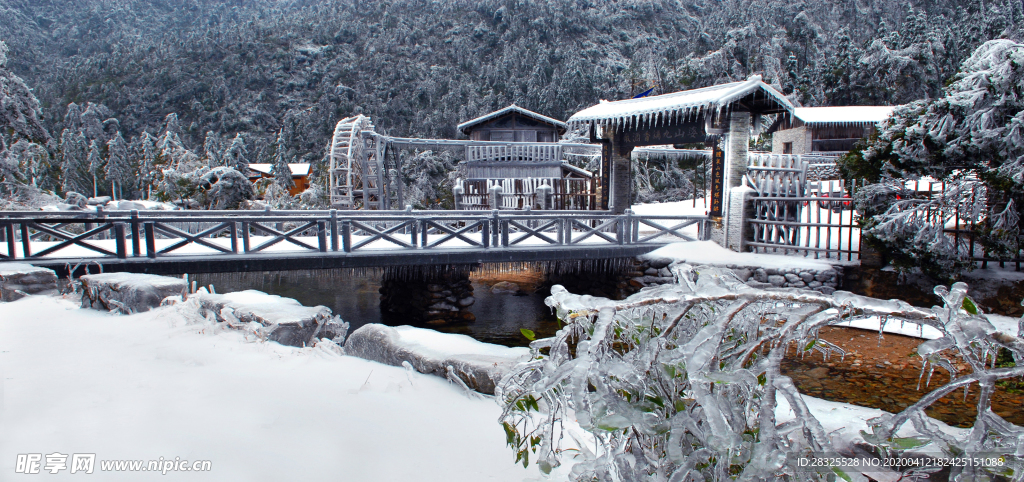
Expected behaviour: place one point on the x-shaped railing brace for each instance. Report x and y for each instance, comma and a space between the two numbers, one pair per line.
191, 238
529, 233
279, 236
381, 234
70, 239
452, 233
674, 230
588, 231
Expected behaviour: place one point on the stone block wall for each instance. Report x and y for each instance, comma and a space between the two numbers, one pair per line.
799, 136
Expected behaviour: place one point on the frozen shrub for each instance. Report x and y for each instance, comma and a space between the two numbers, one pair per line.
682, 383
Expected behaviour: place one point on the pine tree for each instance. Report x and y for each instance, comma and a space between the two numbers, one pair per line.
147, 163
118, 169
96, 164
280, 170
73, 161
237, 155
212, 149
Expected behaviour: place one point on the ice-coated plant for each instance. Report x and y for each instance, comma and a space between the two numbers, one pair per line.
681, 383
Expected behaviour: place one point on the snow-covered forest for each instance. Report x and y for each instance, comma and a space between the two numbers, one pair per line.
131, 98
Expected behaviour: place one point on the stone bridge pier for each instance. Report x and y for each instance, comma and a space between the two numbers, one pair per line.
428, 295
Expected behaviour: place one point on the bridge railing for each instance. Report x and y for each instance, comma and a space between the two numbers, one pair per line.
134, 234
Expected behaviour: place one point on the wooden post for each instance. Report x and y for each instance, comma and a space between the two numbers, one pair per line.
9, 229
485, 233
233, 232
459, 192
321, 236
136, 242
26, 249
497, 228
334, 229
245, 236
122, 248
150, 240
346, 236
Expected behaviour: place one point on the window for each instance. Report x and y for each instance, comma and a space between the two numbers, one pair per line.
787, 147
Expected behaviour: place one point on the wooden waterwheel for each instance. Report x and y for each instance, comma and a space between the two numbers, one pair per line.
357, 170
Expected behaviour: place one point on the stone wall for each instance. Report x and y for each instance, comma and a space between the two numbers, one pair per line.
799, 136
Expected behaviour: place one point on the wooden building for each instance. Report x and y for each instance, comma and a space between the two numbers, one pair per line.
825, 130
513, 124
300, 175
517, 151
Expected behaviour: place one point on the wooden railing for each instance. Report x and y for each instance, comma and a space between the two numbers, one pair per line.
152, 234
566, 194
514, 152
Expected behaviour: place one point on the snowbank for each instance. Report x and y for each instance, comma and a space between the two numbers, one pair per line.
150, 385
479, 365
710, 253
128, 292
21, 279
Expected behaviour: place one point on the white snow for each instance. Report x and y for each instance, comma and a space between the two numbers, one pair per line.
273, 308
298, 169
710, 253
138, 281
687, 102
512, 108
446, 345
845, 421
12, 269
861, 114
150, 385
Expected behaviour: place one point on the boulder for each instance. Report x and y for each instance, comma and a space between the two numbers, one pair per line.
226, 188
18, 280
75, 200
479, 365
128, 292
283, 320
504, 287
806, 277
777, 281
658, 263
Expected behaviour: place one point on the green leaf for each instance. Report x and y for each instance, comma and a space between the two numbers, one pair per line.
529, 334
970, 307
762, 379
510, 433
842, 474
908, 443
810, 345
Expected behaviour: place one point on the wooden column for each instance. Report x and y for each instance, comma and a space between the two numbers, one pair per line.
737, 150
619, 191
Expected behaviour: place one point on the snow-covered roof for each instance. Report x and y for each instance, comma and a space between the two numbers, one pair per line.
298, 169
512, 108
845, 115
668, 109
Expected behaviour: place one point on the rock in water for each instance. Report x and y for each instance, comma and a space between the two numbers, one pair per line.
504, 287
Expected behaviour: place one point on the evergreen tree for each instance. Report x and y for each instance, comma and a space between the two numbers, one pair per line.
147, 163
280, 170
96, 166
212, 149
237, 156
74, 163
118, 168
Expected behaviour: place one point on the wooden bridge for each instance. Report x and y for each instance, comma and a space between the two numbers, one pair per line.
167, 242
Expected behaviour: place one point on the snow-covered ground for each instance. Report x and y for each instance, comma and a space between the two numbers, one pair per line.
150, 385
